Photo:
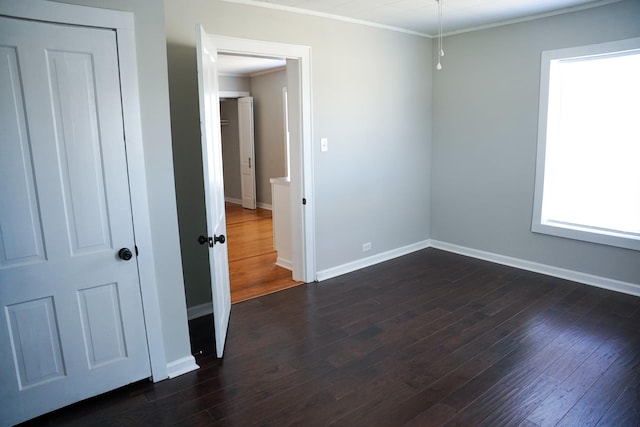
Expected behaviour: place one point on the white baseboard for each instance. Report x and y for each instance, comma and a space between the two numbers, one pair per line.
233, 200
239, 202
284, 263
562, 273
369, 261
199, 310
181, 366
575, 276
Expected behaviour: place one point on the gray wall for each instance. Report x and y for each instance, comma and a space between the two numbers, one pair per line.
374, 182
268, 116
156, 133
485, 134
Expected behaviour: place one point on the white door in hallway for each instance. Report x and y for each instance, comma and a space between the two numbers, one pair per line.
213, 185
247, 152
72, 324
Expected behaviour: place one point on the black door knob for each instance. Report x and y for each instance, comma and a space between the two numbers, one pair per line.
203, 240
125, 254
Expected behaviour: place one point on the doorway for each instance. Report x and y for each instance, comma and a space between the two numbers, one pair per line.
255, 263
301, 224
298, 72
301, 218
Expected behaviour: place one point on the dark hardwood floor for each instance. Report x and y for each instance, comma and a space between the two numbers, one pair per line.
431, 338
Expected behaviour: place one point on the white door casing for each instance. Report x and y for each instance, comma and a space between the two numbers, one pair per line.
301, 146
72, 324
213, 183
294, 115
247, 152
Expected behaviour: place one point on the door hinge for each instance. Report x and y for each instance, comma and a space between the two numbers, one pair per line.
136, 248
304, 201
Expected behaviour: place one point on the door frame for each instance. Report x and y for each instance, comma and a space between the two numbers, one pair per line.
123, 24
303, 219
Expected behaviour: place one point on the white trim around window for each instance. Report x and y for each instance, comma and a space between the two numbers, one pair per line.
561, 120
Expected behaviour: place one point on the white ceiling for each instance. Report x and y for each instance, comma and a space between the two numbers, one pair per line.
414, 16
421, 16
232, 65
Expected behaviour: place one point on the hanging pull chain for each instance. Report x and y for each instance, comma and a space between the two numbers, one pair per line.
440, 48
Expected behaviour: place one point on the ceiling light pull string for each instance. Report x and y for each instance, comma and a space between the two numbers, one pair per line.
440, 48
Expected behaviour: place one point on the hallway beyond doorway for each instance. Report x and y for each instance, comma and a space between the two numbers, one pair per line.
252, 260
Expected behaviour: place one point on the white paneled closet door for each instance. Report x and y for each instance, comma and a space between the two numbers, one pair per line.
72, 324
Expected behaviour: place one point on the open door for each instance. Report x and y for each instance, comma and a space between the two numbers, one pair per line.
247, 152
213, 185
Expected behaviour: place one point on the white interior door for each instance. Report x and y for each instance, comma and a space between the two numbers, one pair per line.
72, 324
213, 184
247, 152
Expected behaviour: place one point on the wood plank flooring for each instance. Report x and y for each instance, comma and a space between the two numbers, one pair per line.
428, 339
252, 268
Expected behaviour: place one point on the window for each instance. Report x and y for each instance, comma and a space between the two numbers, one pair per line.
588, 165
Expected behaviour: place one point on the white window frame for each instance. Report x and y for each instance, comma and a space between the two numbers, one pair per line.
571, 231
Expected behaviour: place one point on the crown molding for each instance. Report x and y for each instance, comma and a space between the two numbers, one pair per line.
298, 10
327, 16
529, 18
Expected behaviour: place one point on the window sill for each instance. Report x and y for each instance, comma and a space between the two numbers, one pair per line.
587, 234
